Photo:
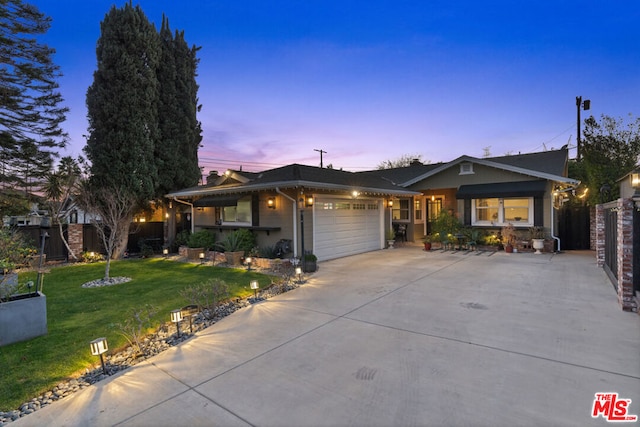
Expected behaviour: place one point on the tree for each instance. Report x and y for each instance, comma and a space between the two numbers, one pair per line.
30, 111
122, 106
111, 211
610, 149
400, 162
59, 188
180, 131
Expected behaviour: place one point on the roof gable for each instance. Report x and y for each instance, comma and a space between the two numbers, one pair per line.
549, 165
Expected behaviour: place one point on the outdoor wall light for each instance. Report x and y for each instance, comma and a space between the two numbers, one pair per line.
98, 348
309, 201
201, 255
355, 194
390, 203
255, 286
635, 179
248, 260
271, 202
433, 198
176, 317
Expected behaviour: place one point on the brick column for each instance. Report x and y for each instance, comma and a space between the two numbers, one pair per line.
76, 239
599, 232
625, 255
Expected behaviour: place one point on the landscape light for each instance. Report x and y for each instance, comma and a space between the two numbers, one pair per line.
98, 348
254, 285
176, 317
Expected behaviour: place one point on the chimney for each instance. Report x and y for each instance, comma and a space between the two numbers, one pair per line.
211, 178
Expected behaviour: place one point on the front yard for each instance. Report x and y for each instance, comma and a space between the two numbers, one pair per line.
77, 315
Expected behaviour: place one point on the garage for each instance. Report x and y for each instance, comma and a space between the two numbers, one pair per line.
344, 227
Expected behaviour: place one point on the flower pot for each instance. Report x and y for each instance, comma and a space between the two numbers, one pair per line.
234, 258
193, 254
390, 243
23, 317
538, 245
309, 266
427, 246
508, 249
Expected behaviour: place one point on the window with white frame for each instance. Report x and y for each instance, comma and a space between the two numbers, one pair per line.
497, 211
466, 168
240, 213
400, 210
418, 209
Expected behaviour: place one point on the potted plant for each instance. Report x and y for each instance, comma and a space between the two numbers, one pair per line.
427, 242
200, 242
309, 261
235, 244
537, 239
23, 315
391, 237
509, 237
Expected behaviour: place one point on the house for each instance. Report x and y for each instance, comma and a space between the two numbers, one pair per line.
331, 212
337, 213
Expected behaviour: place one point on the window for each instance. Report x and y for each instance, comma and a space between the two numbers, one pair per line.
359, 206
496, 211
343, 206
466, 168
418, 209
240, 213
401, 210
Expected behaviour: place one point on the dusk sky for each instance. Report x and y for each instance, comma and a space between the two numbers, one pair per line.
368, 81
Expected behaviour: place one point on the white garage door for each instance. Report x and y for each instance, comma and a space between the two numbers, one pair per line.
346, 227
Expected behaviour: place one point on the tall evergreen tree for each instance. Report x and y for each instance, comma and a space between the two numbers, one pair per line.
122, 105
30, 105
180, 131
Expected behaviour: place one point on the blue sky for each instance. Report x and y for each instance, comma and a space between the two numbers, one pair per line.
368, 81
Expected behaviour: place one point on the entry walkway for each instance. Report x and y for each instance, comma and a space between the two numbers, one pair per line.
392, 338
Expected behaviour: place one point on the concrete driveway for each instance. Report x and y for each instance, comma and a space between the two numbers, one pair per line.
392, 338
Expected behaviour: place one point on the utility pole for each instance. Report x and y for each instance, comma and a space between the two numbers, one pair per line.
321, 152
586, 105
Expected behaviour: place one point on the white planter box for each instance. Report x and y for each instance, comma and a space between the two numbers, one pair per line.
23, 317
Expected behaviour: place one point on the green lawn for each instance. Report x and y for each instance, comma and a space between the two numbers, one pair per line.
77, 315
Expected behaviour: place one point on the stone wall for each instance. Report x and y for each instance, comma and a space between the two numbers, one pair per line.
624, 247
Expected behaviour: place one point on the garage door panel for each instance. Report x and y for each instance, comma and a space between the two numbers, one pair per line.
343, 232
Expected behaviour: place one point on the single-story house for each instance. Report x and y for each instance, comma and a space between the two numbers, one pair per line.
336, 213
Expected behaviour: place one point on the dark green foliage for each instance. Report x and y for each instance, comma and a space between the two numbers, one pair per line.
30, 111
122, 105
180, 131
610, 150
202, 239
239, 240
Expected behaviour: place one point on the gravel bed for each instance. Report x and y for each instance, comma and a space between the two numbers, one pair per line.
163, 338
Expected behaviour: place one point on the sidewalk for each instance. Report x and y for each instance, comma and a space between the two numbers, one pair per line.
392, 338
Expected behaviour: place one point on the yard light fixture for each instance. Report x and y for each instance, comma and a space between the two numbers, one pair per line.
248, 260
165, 252
176, 317
98, 348
255, 286
201, 255
299, 274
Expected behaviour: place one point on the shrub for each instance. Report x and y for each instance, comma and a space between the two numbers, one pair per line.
267, 252
182, 238
135, 326
239, 240
207, 295
202, 239
90, 257
14, 250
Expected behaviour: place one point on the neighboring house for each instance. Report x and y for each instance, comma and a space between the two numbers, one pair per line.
630, 184
346, 213
484, 192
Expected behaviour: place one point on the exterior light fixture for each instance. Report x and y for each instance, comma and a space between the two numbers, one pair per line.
201, 256
98, 348
390, 203
255, 286
165, 252
299, 274
309, 201
635, 179
355, 194
176, 317
248, 260
271, 202
433, 198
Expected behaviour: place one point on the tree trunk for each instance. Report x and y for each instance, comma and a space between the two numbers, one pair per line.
121, 244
